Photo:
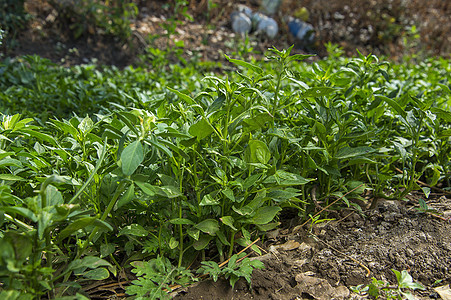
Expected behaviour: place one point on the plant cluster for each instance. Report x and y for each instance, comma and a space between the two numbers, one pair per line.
13, 17
107, 168
379, 288
86, 17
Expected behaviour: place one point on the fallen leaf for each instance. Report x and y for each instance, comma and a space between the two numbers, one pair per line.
444, 292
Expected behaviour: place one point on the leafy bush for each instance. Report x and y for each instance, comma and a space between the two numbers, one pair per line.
107, 167
13, 17
83, 17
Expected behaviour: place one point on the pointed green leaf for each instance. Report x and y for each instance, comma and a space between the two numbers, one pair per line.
106, 249
244, 64
202, 242
228, 220
265, 214
216, 105
318, 92
75, 226
256, 122
184, 97
348, 152
201, 129
133, 229
209, 226
181, 221
393, 104
441, 113
208, 200
131, 157
97, 274
24, 212
128, 196
10, 177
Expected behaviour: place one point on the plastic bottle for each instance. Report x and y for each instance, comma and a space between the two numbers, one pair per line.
241, 20
241, 23
270, 7
304, 32
265, 24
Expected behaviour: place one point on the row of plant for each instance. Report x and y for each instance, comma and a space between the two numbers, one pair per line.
108, 169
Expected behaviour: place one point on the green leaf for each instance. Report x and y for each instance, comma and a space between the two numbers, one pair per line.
445, 88
201, 129
318, 92
133, 229
40, 136
265, 214
348, 152
181, 221
10, 162
299, 57
106, 249
86, 125
66, 128
91, 262
184, 97
405, 280
209, 226
258, 152
75, 226
97, 274
216, 105
10, 177
441, 113
244, 64
131, 157
24, 212
393, 104
173, 243
128, 196
208, 200
284, 178
228, 220
256, 122
202, 242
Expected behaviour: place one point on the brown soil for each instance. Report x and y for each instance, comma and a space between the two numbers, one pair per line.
347, 252
379, 27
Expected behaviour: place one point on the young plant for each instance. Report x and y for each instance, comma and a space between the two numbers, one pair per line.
236, 268
379, 288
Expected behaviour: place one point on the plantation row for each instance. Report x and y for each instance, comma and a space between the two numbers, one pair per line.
106, 169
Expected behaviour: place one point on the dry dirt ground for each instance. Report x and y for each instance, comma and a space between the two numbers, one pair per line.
301, 262
381, 27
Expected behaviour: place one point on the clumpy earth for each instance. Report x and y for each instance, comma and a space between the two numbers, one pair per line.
324, 261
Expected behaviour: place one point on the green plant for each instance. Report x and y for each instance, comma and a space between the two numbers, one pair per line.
236, 268
167, 168
379, 288
82, 17
156, 278
13, 18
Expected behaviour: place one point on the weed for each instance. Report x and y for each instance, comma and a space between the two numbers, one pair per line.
379, 288
234, 269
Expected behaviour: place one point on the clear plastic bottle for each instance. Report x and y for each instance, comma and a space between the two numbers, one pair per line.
241, 23
241, 20
265, 24
303, 31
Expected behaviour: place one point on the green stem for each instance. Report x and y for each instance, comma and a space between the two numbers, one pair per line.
232, 241
110, 206
99, 163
